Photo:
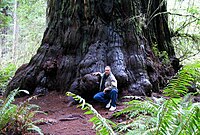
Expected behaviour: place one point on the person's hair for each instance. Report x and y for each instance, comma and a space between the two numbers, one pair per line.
108, 67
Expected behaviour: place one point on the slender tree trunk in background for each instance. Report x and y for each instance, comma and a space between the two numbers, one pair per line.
3, 48
15, 33
1, 45
83, 36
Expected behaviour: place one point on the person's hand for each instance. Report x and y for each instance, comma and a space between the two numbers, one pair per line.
96, 73
104, 91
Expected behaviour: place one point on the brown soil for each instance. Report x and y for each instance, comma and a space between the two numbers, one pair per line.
62, 119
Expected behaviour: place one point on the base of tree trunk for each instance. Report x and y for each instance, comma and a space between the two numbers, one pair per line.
83, 37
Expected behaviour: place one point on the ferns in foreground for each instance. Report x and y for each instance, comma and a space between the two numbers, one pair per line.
158, 118
188, 75
102, 125
177, 116
17, 118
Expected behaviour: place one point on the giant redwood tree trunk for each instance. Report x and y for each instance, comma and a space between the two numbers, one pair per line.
83, 36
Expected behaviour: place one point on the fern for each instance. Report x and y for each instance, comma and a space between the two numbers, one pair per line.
33, 127
18, 118
185, 77
6, 73
177, 116
27, 111
135, 107
102, 125
170, 117
141, 115
7, 108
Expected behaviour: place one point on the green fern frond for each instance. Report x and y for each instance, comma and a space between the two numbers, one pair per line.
102, 125
7, 115
142, 116
7, 109
136, 107
188, 75
8, 101
177, 117
33, 127
141, 123
18, 117
170, 117
190, 120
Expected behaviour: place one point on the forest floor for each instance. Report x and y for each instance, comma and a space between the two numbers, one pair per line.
61, 119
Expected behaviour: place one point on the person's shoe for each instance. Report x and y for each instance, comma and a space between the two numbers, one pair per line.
108, 105
112, 108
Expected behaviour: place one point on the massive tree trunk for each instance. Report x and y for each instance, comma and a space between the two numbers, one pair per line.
83, 36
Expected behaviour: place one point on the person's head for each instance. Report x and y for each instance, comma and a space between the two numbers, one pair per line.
107, 70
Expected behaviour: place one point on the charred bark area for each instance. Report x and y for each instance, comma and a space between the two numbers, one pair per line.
84, 36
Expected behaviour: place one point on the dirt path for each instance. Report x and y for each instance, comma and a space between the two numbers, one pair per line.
63, 120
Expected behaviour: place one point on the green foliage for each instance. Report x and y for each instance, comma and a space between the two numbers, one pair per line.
31, 18
7, 109
188, 75
5, 15
193, 9
160, 116
140, 116
102, 125
17, 118
184, 23
162, 55
5, 74
30, 28
155, 49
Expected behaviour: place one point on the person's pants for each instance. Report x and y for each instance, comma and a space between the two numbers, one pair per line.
105, 98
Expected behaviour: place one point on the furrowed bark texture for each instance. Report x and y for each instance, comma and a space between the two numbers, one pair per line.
83, 36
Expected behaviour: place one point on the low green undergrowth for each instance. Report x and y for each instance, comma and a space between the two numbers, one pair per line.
6, 72
187, 78
159, 117
18, 119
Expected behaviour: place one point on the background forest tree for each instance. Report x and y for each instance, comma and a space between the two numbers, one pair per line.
30, 23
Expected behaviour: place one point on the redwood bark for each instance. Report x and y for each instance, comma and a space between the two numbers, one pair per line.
83, 36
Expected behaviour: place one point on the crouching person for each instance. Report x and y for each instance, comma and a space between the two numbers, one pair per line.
108, 89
